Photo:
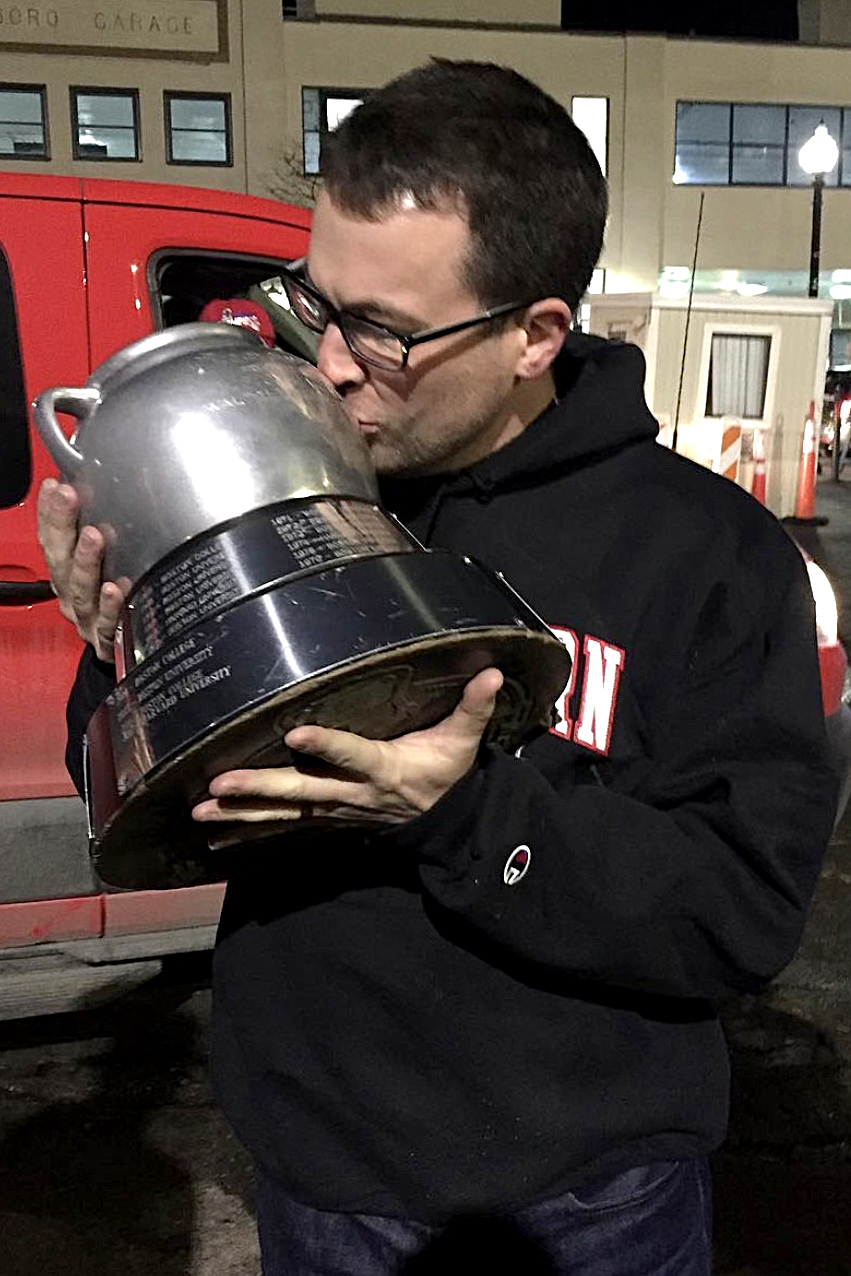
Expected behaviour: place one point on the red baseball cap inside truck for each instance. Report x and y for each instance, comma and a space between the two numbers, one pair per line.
243, 314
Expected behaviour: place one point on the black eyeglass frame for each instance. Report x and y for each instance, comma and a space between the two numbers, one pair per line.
407, 340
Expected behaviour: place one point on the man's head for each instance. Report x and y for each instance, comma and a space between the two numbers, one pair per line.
457, 188
505, 154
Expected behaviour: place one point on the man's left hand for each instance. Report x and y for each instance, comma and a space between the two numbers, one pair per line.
359, 781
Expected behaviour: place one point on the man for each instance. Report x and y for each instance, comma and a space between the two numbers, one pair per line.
405, 1031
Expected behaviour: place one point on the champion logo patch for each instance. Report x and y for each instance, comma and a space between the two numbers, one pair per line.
517, 865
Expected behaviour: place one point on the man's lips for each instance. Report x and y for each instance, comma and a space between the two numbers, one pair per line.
368, 428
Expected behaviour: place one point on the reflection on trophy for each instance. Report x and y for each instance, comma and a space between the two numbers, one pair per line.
267, 588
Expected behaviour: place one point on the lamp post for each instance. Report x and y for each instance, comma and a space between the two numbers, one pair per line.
817, 157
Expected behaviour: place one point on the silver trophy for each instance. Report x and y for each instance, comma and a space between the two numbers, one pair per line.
266, 588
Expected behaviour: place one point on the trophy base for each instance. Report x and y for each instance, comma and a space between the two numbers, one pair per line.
394, 661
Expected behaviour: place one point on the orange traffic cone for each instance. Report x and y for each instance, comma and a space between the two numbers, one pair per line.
758, 480
805, 501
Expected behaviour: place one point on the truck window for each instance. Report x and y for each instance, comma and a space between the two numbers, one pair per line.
182, 283
15, 458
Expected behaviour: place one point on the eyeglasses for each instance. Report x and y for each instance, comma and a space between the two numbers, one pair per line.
370, 342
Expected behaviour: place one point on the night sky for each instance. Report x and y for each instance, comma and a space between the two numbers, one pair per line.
734, 19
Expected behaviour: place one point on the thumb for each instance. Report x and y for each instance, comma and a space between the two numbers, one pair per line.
475, 709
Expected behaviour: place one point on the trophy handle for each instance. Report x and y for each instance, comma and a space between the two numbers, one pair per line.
79, 403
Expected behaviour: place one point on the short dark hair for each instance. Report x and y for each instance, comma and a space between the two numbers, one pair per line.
506, 152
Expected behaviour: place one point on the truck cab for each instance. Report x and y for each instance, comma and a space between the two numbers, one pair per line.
87, 266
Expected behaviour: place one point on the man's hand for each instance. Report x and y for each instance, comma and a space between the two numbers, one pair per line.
75, 563
361, 781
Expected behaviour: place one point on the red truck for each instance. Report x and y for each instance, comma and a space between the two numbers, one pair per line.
85, 268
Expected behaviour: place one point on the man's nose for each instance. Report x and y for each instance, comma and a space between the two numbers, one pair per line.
336, 361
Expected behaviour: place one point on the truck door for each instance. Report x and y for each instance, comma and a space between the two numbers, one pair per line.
44, 341
86, 268
133, 252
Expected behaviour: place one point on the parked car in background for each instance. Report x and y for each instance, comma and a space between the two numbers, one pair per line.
836, 414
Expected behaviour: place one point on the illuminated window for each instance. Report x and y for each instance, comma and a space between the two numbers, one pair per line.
197, 128
738, 375
754, 143
106, 124
23, 115
321, 111
591, 114
759, 145
703, 143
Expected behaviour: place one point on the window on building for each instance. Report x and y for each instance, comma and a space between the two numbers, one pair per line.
23, 121
591, 114
840, 349
197, 128
15, 461
106, 124
702, 143
321, 111
754, 143
844, 140
759, 145
738, 375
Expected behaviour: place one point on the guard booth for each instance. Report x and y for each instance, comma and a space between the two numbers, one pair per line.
733, 374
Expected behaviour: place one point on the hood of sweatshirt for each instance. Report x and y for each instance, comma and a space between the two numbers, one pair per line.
599, 409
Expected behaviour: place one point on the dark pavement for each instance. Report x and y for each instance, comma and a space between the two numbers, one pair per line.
114, 1159
783, 1180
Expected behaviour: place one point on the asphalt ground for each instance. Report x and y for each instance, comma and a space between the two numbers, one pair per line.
115, 1160
783, 1180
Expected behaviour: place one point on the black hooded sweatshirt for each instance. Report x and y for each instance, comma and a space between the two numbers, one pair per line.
402, 1025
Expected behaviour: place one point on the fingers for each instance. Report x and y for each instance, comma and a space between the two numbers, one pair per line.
93, 607
352, 753
275, 787
477, 704
75, 563
83, 588
57, 509
229, 812
383, 781
105, 621
250, 796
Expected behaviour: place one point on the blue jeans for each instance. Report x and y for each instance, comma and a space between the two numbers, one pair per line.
651, 1221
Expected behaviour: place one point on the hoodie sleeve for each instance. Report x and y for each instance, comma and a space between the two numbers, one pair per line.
696, 882
94, 681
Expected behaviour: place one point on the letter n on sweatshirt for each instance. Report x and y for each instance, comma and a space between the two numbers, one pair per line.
602, 666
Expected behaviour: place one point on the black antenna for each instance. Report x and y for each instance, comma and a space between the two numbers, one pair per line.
688, 321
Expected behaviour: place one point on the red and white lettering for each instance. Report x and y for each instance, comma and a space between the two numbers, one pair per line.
603, 668
564, 726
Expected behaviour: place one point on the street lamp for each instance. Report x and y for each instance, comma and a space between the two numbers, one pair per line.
817, 157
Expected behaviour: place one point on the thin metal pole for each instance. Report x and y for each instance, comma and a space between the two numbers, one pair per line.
815, 242
688, 322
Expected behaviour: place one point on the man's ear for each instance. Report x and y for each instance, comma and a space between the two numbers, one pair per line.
546, 323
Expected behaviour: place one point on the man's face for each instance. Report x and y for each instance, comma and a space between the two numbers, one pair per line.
454, 402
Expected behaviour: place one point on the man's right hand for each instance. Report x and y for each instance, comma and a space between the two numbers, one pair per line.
75, 562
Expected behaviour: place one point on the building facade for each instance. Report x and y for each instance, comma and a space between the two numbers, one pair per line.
237, 94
